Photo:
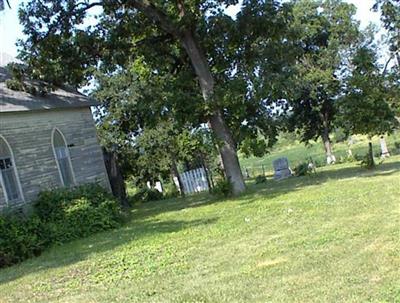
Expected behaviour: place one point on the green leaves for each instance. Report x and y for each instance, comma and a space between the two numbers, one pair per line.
365, 107
324, 33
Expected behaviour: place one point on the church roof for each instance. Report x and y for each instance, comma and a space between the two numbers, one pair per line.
20, 101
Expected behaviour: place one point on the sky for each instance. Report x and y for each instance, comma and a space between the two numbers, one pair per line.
11, 30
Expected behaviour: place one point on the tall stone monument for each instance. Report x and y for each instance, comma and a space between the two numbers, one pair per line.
384, 150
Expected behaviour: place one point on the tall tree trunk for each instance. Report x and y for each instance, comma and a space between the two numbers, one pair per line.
115, 176
216, 120
330, 157
228, 152
206, 81
175, 173
370, 161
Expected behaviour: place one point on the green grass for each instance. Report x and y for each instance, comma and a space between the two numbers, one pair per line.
331, 237
298, 152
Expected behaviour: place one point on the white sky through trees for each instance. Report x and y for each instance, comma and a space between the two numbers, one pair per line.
11, 30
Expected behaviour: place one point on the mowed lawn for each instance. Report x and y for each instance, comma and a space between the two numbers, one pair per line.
297, 152
331, 237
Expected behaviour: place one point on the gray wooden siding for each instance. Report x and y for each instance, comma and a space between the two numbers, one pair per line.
30, 135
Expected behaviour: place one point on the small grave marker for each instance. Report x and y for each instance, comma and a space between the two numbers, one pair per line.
281, 168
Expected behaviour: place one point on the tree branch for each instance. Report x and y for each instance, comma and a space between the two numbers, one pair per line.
153, 13
69, 14
386, 65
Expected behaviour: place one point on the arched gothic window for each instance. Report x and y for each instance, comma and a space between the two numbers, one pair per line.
61, 153
8, 173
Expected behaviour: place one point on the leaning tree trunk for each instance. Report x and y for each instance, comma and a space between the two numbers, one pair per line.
227, 145
206, 81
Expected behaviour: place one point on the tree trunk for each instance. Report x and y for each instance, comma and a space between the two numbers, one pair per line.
115, 176
227, 145
228, 152
371, 162
175, 172
330, 157
206, 81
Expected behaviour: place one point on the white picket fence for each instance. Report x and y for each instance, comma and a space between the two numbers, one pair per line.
194, 181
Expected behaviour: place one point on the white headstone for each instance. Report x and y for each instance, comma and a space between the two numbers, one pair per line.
159, 186
384, 150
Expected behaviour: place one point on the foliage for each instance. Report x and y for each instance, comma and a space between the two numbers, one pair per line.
302, 169
20, 81
71, 214
170, 190
390, 17
349, 158
21, 237
324, 33
260, 179
146, 195
58, 216
365, 108
14, 85
222, 188
367, 161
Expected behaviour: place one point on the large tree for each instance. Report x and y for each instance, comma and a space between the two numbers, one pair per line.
59, 48
365, 106
390, 17
325, 33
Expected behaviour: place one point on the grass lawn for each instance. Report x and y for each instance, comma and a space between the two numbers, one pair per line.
298, 152
331, 237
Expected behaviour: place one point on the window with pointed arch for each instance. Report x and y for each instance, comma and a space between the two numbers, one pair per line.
63, 159
8, 173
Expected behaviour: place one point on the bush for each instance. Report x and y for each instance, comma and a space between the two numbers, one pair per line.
58, 216
347, 159
20, 238
367, 162
261, 179
170, 191
14, 85
147, 194
223, 188
302, 169
358, 157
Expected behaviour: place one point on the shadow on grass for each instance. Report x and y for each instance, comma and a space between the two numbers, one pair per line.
268, 190
81, 249
144, 222
272, 189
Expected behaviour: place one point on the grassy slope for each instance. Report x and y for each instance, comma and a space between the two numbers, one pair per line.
297, 152
333, 237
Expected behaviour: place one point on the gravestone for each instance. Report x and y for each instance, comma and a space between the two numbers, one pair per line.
281, 168
384, 150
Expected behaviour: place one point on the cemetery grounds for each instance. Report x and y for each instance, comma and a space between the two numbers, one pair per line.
329, 237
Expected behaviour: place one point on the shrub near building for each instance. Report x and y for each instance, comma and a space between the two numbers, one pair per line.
58, 216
